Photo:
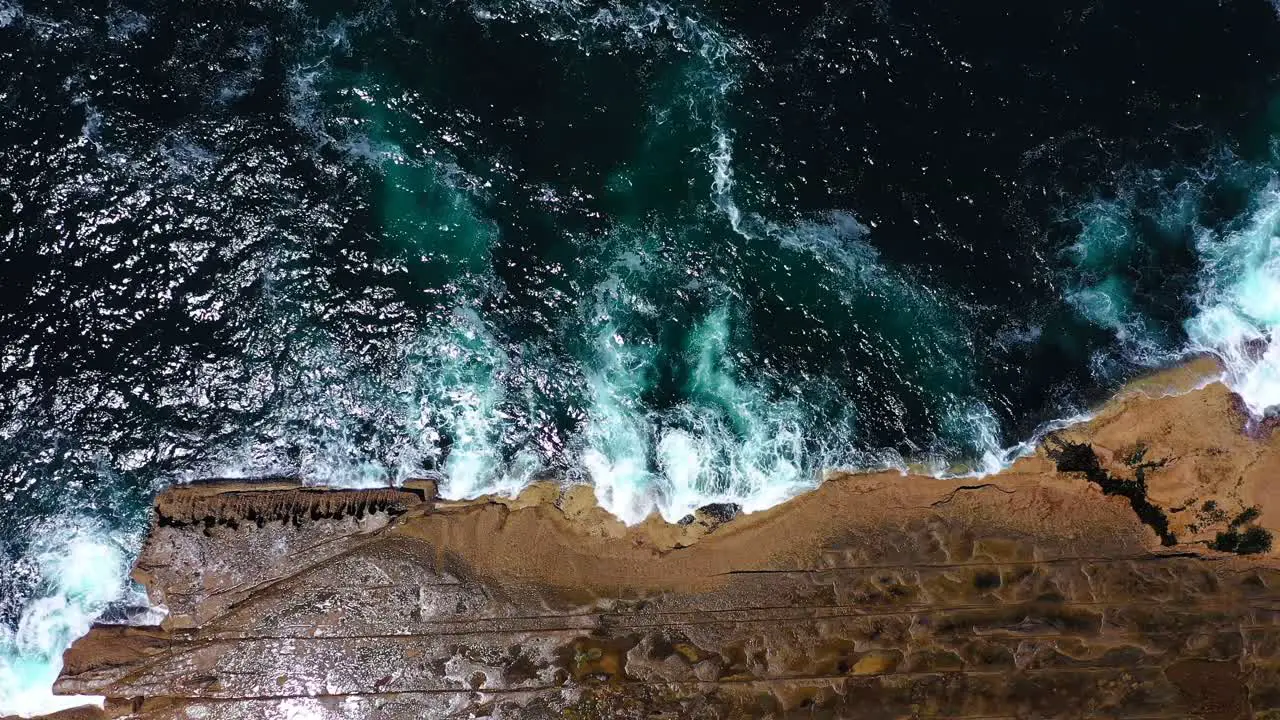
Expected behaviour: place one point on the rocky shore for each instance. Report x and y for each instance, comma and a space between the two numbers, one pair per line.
1125, 570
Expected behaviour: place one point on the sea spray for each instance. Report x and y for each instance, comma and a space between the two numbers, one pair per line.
80, 569
726, 441
1221, 221
442, 409
617, 437
10, 13
756, 448
458, 393
1239, 299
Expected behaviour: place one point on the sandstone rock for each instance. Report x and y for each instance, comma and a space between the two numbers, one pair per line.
1029, 594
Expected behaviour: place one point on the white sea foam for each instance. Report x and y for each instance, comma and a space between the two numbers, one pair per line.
305, 80
979, 426
125, 24
458, 392
739, 450
617, 437
78, 569
730, 441
721, 158
9, 13
1102, 293
447, 390
1237, 295
91, 130
995, 458
1239, 300
637, 24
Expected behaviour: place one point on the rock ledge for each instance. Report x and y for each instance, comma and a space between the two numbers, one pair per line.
1047, 591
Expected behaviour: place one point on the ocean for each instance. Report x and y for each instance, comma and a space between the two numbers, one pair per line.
685, 252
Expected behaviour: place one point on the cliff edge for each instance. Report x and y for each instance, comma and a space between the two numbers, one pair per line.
1125, 570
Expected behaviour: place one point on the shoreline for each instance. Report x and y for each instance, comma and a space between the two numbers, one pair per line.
1190, 388
579, 504
1161, 473
1192, 373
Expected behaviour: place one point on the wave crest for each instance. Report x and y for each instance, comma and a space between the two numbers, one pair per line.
80, 570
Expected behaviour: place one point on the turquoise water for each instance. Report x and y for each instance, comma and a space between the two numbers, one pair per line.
686, 253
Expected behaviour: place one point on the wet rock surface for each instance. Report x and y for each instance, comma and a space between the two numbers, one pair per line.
928, 615
1034, 593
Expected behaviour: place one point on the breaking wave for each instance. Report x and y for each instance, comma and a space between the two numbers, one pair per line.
78, 570
1238, 302
1209, 237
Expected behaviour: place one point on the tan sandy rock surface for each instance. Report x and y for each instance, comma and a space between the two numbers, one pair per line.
1081, 582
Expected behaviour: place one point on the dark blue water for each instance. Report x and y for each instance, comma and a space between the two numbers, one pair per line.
685, 252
